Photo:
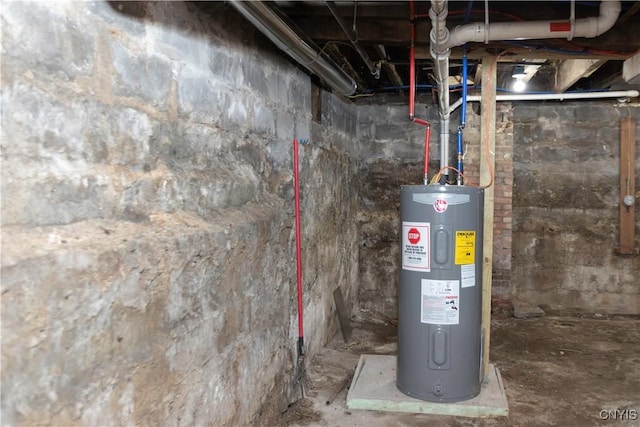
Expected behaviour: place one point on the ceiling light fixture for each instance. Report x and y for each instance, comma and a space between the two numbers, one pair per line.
518, 72
519, 85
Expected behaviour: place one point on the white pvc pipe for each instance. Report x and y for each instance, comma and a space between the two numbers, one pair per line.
552, 96
456, 104
441, 41
561, 96
585, 27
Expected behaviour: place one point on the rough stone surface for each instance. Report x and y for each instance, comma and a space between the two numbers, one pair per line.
392, 151
148, 263
565, 220
556, 194
525, 311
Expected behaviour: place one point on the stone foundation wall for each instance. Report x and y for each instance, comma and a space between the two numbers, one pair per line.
148, 263
566, 211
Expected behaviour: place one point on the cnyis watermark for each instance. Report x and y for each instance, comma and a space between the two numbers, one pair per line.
619, 414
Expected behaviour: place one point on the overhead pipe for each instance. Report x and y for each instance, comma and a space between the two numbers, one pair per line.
441, 41
272, 26
620, 94
561, 96
374, 69
571, 28
412, 93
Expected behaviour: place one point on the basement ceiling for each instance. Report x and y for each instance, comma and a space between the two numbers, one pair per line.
381, 31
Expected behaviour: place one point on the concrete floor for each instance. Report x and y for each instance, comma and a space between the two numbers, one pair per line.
557, 371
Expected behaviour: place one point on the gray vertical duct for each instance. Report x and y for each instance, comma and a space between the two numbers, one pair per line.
272, 26
440, 53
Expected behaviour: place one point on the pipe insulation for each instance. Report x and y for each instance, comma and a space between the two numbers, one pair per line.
285, 38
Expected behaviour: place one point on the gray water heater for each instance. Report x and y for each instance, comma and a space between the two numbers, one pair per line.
440, 295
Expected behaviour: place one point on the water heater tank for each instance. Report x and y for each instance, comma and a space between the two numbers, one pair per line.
440, 295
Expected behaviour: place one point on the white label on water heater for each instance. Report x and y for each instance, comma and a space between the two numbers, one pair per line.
468, 275
416, 238
440, 302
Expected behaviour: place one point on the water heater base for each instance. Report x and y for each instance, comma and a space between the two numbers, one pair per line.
374, 388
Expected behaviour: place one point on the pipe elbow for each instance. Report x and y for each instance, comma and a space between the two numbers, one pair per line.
609, 12
462, 34
438, 46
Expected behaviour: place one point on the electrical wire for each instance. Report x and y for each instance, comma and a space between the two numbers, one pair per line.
436, 177
467, 14
452, 88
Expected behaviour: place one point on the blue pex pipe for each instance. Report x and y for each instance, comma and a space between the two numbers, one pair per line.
463, 119
460, 150
463, 116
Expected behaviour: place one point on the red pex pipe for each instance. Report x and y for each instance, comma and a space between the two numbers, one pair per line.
412, 91
427, 139
412, 60
296, 187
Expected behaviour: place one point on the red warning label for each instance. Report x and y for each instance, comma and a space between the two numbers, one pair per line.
414, 236
415, 246
560, 26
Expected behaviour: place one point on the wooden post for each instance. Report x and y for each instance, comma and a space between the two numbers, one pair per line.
627, 185
487, 169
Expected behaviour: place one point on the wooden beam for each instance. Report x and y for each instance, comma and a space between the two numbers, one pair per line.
631, 69
390, 33
487, 168
627, 185
629, 13
571, 70
477, 79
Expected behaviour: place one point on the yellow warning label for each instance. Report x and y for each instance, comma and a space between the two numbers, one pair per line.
465, 247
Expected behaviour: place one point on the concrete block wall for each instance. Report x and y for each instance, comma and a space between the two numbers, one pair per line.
148, 266
565, 208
